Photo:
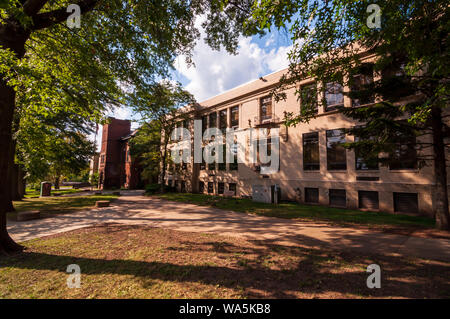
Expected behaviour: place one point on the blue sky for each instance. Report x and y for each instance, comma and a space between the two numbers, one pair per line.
218, 71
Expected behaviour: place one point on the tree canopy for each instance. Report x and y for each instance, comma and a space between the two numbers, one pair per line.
410, 85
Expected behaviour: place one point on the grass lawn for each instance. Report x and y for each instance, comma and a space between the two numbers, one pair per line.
119, 261
304, 212
29, 192
58, 205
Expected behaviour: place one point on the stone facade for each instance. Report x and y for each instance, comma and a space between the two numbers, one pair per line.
405, 190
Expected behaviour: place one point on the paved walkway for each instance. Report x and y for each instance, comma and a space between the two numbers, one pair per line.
134, 209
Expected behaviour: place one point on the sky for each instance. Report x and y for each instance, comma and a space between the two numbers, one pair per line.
218, 71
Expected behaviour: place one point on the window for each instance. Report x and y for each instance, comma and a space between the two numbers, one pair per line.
232, 188
368, 199
360, 83
266, 108
223, 165
406, 203
336, 153
267, 142
201, 187
234, 164
311, 158
311, 195
334, 96
102, 158
337, 197
212, 166
203, 163
204, 123
364, 162
235, 116
220, 188
308, 99
213, 120
210, 187
183, 186
404, 155
223, 120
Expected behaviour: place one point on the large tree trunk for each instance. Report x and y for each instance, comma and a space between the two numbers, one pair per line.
12, 36
440, 171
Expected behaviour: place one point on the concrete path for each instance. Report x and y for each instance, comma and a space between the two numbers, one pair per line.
134, 209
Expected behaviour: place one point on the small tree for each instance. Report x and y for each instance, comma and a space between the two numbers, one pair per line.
160, 104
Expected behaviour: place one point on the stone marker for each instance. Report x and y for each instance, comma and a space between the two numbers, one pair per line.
102, 203
23, 216
46, 189
116, 193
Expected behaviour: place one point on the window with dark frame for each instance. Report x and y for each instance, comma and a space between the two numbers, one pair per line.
368, 200
406, 203
334, 96
311, 156
336, 152
234, 116
266, 108
201, 187
337, 197
223, 165
203, 163
210, 187
311, 195
360, 83
268, 142
212, 166
232, 188
223, 120
405, 154
364, 162
308, 99
213, 120
220, 188
204, 123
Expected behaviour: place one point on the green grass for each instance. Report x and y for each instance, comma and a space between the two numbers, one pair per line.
58, 205
124, 261
29, 192
306, 212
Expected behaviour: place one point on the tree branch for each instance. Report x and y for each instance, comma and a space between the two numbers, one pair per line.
32, 7
48, 19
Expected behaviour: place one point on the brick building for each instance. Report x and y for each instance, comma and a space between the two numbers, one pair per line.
116, 168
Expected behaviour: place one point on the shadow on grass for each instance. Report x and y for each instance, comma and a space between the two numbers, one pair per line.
315, 271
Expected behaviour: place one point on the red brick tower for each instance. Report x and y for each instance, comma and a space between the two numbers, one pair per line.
111, 161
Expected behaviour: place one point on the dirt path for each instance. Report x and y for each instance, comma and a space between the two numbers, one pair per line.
133, 208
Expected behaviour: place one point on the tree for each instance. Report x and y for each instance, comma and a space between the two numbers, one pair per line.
330, 41
159, 105
119, 44
52, 146
146, 147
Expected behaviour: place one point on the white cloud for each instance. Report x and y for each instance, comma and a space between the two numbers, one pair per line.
218, 71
